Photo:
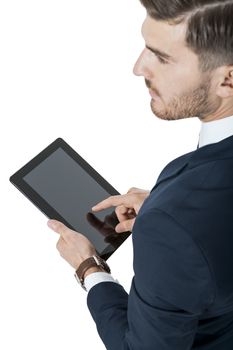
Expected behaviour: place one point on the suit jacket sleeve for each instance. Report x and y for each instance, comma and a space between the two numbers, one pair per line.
171, 288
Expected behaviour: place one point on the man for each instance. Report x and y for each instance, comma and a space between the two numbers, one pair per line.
181, 296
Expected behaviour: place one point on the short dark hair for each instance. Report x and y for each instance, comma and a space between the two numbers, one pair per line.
209, 27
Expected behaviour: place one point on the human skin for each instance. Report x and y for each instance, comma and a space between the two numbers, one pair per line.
179, 90
183, 91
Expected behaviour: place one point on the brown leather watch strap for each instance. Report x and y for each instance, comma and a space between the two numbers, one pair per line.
84, 266
93, 261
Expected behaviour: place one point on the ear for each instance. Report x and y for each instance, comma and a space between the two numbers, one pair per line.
225, 85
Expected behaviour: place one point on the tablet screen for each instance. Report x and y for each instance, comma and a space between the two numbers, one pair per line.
72, 192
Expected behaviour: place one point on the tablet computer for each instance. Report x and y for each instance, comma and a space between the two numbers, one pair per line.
65, 187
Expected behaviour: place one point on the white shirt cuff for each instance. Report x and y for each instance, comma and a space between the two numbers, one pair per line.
98, 277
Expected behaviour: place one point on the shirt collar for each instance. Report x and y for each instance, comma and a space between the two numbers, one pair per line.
215, 131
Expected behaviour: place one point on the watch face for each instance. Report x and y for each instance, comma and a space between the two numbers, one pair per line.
104, 264
79, 282
77, 278
100, 260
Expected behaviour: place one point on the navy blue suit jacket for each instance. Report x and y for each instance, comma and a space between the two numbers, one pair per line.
181, 295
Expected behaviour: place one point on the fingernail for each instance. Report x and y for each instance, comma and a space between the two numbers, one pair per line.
51, 224
93, 208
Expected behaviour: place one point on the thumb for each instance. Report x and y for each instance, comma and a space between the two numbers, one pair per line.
124, 226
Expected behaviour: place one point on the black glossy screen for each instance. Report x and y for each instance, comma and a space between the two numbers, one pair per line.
72, 192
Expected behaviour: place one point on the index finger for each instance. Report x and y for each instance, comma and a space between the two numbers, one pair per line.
110, 202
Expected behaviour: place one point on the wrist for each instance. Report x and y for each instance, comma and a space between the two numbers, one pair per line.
90, 265
92, 270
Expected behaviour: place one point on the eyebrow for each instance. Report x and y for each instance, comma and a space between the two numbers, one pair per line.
160, 53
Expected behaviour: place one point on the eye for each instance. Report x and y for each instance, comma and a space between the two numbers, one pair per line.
161, 60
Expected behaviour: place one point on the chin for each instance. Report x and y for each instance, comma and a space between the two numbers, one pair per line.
158, 112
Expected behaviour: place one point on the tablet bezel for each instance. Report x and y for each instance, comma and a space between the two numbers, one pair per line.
17, 180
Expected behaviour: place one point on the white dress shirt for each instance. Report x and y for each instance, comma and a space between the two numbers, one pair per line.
215, 131
211, 132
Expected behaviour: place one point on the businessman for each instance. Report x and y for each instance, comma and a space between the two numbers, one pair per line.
181, 295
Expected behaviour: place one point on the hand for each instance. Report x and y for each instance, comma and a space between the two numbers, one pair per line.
72, 246
106, 228
127, 207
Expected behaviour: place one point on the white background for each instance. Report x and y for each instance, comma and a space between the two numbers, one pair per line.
66, 71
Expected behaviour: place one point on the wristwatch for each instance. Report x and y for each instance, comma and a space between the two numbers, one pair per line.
94, 260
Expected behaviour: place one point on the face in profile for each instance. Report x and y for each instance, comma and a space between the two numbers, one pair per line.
177, 87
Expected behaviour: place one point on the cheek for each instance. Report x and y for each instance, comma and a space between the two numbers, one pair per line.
167, 86
165, 78
177, 80
187, 73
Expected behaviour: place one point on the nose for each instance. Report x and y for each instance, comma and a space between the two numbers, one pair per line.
141, 67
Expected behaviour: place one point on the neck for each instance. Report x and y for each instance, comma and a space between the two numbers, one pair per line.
223, 111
